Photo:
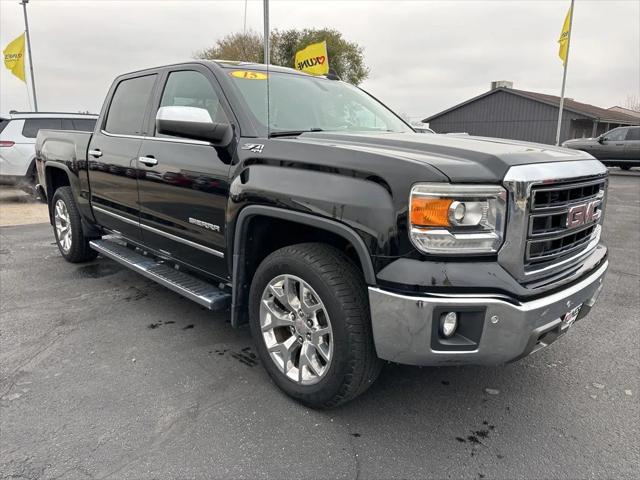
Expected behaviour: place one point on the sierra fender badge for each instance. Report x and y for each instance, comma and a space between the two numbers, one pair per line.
253, 147
207, 225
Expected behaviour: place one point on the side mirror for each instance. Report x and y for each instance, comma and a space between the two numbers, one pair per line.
601, 139
193, 123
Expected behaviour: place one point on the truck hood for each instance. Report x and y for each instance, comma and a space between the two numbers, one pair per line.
462, 158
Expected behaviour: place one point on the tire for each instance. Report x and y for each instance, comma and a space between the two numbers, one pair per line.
625, 167
67, 228
342, 306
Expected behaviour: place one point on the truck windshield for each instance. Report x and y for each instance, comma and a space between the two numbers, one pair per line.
300, 103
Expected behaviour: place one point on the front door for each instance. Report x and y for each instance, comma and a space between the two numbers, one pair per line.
613, 144
184, 184
113, 151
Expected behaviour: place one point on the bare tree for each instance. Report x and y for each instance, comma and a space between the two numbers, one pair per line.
632, 103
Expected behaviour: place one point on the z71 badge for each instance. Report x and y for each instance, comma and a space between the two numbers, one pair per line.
253, 147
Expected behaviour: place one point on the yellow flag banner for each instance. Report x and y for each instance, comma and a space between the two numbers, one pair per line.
14, 57
564, 37
313, 59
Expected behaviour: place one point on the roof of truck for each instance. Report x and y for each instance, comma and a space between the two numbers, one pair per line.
13, 115
227, 64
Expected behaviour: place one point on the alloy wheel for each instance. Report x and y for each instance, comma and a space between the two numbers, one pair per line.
63, 225
296, 329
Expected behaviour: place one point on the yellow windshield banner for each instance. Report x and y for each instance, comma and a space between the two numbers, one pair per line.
14, 57
249, 75
564, 38
313, 59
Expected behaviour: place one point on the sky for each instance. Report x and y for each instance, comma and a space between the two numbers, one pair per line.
425, 56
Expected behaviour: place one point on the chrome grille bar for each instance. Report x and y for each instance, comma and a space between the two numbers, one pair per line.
559, 225
544, 200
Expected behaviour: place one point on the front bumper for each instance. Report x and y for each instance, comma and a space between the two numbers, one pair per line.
403, 326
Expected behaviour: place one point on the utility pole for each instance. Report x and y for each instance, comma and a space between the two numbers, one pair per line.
564, 76
26, 28
266, 31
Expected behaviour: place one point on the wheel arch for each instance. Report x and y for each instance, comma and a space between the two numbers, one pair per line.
56, 175
328, 230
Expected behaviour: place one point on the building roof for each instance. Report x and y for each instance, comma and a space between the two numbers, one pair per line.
591, 111
626, 111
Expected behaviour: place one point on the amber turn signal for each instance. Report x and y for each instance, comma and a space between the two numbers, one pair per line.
430, 212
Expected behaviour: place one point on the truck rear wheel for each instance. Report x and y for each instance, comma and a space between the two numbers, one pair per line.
309, 317
67, 228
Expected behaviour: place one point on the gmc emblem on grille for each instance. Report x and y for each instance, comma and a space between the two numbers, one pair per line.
581, 214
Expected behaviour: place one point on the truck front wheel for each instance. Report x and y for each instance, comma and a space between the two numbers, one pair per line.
67, 228
309, 317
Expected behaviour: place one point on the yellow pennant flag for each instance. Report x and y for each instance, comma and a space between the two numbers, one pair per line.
313, 59
564, 37
14, 57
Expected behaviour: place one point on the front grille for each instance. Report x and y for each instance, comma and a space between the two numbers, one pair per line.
563, 220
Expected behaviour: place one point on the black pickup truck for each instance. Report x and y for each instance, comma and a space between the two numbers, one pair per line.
323, 220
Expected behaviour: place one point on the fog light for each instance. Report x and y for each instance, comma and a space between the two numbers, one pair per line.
448, 324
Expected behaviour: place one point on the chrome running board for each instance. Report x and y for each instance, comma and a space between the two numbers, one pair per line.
193, 288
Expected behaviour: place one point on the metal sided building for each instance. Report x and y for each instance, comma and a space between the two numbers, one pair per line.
505, 112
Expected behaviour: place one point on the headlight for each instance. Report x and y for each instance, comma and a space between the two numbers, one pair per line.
457, 219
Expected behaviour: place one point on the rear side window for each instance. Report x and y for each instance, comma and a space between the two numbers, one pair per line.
3, 123
33, 125
129, 104
632, 134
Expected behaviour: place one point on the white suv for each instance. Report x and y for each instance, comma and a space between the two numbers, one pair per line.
17, 142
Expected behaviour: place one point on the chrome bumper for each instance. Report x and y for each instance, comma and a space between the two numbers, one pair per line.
403, 325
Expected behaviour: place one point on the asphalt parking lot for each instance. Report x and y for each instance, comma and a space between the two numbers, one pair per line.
107, 375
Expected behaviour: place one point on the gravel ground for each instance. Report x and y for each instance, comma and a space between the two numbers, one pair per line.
20, 208
104, 374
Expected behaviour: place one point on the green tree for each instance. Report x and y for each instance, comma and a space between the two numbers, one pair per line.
245, 47
346, 58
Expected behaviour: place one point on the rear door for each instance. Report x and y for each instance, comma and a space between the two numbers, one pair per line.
632, 144
113, 152
183, 197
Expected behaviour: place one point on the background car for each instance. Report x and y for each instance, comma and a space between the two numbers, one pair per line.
618, 147
18, 135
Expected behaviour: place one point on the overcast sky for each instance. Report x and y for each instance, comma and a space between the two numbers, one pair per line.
424, 56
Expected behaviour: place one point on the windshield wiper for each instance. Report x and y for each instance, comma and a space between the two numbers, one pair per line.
293, 133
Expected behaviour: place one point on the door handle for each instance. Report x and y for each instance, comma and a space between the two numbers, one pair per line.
148, 161
97, 153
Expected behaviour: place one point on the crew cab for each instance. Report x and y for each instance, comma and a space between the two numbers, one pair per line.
318, 216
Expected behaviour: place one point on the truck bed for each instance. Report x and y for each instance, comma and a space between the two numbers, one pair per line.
62, 145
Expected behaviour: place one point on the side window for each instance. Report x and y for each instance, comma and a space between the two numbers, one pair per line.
128, 106
78, 124
616, 135
83, 125
3, 123
192, 89
633, 133
33, 125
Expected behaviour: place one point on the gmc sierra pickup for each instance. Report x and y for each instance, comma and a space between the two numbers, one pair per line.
323, 220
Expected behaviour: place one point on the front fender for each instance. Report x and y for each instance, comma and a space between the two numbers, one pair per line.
366, 206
